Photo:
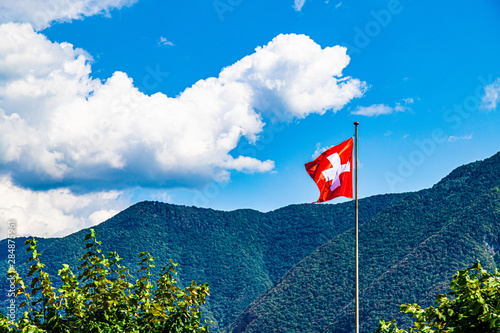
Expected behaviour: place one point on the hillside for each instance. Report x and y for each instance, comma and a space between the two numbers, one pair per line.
241, 254
408, 253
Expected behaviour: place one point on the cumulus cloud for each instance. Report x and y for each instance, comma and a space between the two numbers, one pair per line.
60, 127
53, 213
293, 75
40, 14
379, 109
491, 96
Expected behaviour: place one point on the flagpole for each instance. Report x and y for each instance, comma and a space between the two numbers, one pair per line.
356, 302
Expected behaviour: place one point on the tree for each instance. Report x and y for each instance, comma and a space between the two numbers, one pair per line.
473, 307
101, 298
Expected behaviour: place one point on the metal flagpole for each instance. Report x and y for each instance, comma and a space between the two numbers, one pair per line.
356, 302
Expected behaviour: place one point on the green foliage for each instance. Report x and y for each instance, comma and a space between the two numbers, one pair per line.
240, 254
474, 307
102, 298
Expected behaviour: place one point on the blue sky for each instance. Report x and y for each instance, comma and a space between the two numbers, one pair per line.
220, 103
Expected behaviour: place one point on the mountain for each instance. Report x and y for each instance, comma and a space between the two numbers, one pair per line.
291, 270
409, 252
241, 254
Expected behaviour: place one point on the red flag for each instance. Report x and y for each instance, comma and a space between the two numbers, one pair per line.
332, 171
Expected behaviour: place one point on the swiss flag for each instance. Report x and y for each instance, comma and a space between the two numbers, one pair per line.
332, 171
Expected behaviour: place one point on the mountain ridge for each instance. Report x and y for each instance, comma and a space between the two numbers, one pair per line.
240, 253
427, 236
291, 269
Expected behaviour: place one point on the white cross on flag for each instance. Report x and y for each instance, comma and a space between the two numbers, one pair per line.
332, 171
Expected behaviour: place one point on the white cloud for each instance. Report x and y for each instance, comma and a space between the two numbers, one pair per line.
373, 110
319, 150
53, 213
60, 126
40, 14
164, 41
161, 195
298, 4
491, 96
453, 138
294, 75
403, 105
379, 109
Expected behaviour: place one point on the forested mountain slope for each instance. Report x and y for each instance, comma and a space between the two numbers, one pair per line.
241, 254
408, 253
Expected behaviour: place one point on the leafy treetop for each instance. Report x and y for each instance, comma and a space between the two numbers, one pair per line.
102, 298
474, 307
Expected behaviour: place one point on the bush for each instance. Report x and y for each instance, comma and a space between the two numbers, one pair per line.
474, 307
101, 298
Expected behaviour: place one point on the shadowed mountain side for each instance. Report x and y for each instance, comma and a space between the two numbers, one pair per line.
408, 253
240, 254
16, 250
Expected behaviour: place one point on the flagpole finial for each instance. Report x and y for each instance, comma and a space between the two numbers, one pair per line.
356, 123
